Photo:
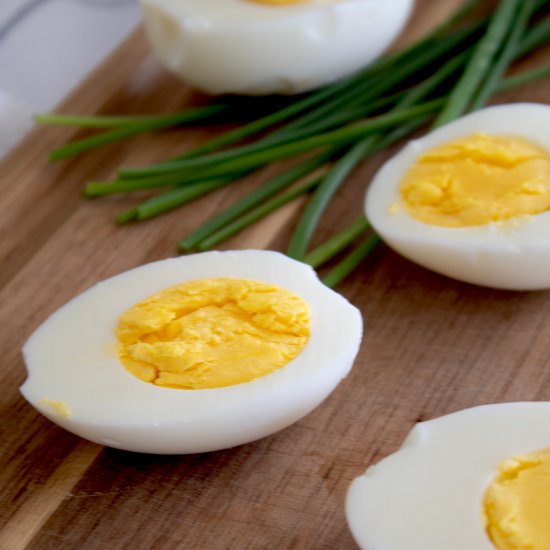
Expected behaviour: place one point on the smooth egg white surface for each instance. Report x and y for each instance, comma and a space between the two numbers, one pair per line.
513, 255
244, 47
71, 359
429, 494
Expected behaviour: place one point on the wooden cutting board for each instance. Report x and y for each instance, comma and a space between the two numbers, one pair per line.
431, 346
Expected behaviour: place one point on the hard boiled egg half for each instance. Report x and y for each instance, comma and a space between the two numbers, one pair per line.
478, 479
192, 354
270, 46
471, 199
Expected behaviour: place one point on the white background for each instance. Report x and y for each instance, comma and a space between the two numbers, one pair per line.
47, 47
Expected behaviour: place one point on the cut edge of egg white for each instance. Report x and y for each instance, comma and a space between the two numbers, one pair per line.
429, 494
76, 379
249, 47
513, 254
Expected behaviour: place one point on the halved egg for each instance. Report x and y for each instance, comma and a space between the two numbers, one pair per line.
192, 354
471, 200
270, 46
477, 479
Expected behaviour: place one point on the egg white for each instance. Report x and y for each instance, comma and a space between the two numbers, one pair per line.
243, 47
429, 494
71, 358
513, 254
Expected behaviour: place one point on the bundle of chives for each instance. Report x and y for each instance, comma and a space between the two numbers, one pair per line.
174, 172
453, 70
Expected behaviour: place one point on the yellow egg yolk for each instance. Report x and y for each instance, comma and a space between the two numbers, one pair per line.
477, 180
211, 333
58, 407
517, 503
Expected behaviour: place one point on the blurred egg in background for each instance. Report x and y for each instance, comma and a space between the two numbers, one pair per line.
263, 47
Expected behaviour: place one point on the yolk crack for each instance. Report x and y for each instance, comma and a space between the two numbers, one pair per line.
212, 333
477, 180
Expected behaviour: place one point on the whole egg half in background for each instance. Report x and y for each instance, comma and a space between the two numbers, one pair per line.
263, 47
511, 253
430, 494
76, 379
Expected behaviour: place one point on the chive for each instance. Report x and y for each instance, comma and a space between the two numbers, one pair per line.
126, 216
177, 197
426, 87
101, 188
340, 118
520, 79
538, 35
506, 56
484, 52
351, 261
462, 13
250, 201
330, 184
337, 243
83, 121
202, 161
256, 215
128, 130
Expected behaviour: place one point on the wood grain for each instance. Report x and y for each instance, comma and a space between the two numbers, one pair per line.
431, 346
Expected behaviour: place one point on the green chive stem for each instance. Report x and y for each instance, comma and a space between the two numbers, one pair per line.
331, 182
505, 57
257, 214
101, 188
525, 77
538, 35
252, 200
484, 52
176, 197
128, 130
351, 261
338, 242
83, 121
